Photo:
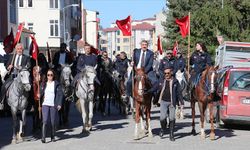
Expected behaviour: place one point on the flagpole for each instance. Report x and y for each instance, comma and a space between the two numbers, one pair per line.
188, 61
131, 55
38, 88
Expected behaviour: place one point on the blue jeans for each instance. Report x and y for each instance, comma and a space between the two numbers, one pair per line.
49, 112
167, 110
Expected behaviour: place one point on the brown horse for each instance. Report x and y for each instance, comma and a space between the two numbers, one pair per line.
204, 95
142, 102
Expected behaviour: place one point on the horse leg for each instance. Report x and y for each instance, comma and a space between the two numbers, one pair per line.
91, 105
211, 113
82, 102
109, 101
150, 134
66, 113
193, 117
14, 118
132, 108
137, 120
22, 125
202, 108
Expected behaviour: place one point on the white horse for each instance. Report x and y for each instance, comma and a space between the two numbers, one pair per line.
65, 80
180, 76
17, 95
85, 93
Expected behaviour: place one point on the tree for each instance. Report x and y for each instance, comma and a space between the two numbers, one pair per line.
209, 19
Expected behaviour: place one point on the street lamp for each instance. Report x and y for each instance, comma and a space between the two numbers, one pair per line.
64, 22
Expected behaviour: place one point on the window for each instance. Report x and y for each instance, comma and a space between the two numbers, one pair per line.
13, 11
30, 26
118, 40
54, 31
30, 3
20, 3
125, 40
118, 32
53, 4
118, 48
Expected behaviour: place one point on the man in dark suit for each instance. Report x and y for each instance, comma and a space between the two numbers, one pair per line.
13, 66
62, 57
144, 58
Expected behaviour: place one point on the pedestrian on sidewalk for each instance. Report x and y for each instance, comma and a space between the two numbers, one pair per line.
51, 98
170, 96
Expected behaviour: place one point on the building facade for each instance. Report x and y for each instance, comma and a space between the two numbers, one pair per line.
114, 42
53, 21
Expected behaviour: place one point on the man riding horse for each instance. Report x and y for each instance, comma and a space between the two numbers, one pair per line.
121, 66
62, 57
87, 59
144, 58
14, 64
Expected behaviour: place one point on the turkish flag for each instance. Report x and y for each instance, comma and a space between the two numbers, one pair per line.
8, 43
34, 48
175, 49
183, 24
125, 26
159, 46
18, 34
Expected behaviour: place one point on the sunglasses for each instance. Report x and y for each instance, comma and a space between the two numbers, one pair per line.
167, 72
169, 53
50, 75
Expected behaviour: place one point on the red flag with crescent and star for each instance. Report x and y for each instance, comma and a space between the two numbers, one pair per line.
18, 34
125, 26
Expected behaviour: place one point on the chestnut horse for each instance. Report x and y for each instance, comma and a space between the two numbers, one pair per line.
142, 102
203, 93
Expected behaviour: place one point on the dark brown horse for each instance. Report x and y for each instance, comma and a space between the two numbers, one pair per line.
204, 95
142, 102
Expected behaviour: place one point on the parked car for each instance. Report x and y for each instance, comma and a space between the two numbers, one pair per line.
234, 91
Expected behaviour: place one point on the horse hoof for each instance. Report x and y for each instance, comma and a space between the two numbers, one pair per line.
203, 136
136, 137
193, 132
150, 135
14, 141
212, 136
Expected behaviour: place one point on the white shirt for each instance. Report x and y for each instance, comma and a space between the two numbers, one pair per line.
62, 58
139, 64
20, 60
49, 94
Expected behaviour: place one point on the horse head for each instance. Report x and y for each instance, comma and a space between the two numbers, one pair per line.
66, 75
23, 78
211, 77
89, 75
140, 80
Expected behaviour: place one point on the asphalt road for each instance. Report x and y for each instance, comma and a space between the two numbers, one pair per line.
115, 132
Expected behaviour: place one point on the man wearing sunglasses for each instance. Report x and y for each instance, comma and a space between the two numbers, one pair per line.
170, 96
167, 61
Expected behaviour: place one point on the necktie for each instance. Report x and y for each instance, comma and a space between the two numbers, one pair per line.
18, 59
143, 59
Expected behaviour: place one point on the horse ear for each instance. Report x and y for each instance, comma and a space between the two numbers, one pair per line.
63, 65
71, 65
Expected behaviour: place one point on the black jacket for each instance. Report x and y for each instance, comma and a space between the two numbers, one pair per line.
198, 61
25, 61
58, 93
176, 91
